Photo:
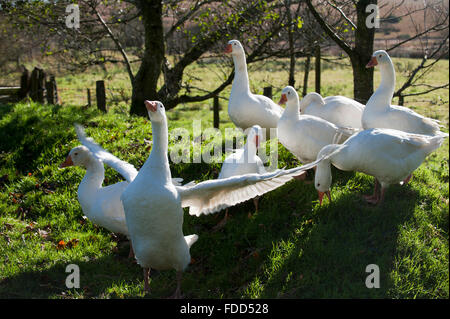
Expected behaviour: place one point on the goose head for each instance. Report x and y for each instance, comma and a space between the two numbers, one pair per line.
322, 176
322, 181
288, 96
156, 111
78, 156
378, 57
255, 135
234, 47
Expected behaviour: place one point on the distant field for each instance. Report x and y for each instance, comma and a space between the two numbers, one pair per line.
290, 248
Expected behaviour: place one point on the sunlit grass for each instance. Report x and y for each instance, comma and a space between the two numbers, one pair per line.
290, 248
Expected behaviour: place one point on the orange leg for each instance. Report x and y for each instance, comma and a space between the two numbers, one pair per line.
177, 293
407, 179
146, 275
373, 199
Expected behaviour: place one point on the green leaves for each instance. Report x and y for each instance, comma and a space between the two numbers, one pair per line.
299, 23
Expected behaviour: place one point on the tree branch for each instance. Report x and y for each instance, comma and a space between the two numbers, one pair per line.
342, 14
427, 91
433, 28
119, 46
328, 30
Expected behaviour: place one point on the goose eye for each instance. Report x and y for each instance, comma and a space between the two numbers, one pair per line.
75, 154
380, 56
318, 184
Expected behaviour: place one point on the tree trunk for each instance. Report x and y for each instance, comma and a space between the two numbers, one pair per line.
305, 77
317, 68
362, 52
291, 80
146, 79
362, 80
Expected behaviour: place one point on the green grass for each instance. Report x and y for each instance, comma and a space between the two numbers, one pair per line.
290, 248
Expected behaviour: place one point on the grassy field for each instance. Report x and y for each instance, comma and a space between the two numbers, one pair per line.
290, 248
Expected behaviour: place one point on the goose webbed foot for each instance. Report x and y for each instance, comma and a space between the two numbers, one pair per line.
177, 294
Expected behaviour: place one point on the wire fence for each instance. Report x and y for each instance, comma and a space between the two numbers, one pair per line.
88, 96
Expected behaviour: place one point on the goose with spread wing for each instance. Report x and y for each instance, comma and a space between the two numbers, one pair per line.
243, 161
153, 205
389, 155
101, 205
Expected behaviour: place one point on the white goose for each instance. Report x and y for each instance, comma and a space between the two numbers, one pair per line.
339, 110
305, 135
243, 161
379, 113
244, 108
389, 155
153, 205
101, 205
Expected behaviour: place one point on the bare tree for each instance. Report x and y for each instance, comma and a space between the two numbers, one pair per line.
187, 30
429, 37
344, 22
354, 38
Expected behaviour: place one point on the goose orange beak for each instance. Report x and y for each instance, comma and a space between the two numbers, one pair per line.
67, 162
228, 48
373, 62
257, 141
151, 105
321, 196
283, 99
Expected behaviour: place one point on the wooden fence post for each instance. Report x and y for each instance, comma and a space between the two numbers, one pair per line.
34, 84
88, 97
52, 91
41, 86
306, 75
317, 69
24, 84
37, 85
101, 95
267, 91
216, 108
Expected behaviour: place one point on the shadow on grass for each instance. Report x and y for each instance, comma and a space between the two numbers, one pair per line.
5, 108
228, 259
95, 278
329, 260
30, 131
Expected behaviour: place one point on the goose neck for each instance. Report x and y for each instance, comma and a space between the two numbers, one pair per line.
240, 82
387, 77
250, 150
95, 174
158, 158
385, 91
292, 110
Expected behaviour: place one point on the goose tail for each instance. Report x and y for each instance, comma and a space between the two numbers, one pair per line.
191, 239
309, 98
